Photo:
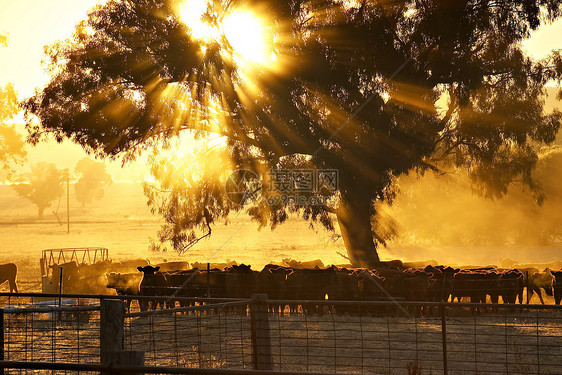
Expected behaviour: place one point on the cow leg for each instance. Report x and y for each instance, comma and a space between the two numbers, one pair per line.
13, 286
530, 291
540, 296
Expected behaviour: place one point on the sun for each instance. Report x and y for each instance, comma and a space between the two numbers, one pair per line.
246, 34
241, 32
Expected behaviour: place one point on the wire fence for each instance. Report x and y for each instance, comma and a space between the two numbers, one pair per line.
216, 335
376, 337
358, 337
388, 339
50, 328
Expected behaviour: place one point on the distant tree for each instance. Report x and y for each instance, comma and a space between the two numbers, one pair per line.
371, 89
93, 179
11, 142
42, 186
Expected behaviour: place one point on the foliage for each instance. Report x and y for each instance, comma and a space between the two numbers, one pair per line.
357, 87
93, 179
178, 203
42, 185
11, 143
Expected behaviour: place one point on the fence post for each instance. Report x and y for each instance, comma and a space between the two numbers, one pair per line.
112, 321
444, 336
112, 336
261, 339
1, 339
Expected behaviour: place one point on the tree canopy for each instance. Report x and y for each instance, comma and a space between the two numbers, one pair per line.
93, 179
369, 89
42, 185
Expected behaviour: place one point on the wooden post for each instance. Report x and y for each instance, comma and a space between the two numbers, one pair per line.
112, 321
112, 337
261, 341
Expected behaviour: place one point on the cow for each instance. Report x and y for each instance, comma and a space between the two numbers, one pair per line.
8, 272
439, 289
311, 285
557, 286
537, 281
510, 284
295, 264
153, 284
124, 284
172, 266
369, 288
196, 283
70, 274
272, 280
240, 281
469, 284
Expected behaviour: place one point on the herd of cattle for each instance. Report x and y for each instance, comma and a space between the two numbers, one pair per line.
297, 282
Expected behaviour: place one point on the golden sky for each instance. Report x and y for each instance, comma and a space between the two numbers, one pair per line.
32, 24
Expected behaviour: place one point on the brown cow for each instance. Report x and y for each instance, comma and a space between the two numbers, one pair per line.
8, 272
271, 280
153, 284
537, 281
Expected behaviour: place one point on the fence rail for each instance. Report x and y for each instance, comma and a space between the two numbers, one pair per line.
289, 336
111, 369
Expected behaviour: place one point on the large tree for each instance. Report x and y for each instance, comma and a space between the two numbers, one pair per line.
93, 179
42, 185
371, 89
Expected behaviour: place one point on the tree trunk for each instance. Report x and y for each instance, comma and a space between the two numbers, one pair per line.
40, 211
355, 226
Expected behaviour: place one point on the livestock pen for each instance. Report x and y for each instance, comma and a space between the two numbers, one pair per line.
324, 336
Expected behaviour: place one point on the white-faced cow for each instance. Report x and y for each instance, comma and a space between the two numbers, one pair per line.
8, 273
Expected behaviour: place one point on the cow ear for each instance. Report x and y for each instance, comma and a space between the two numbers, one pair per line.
139, 268
156, 269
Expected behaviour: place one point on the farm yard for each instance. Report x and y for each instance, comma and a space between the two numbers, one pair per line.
363, 339
268, 187
122, 222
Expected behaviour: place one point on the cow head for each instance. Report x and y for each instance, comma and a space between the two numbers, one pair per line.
149, 270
